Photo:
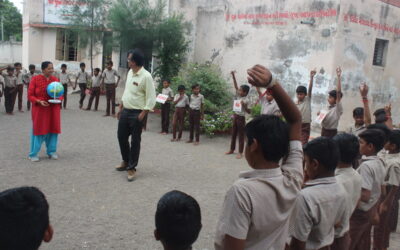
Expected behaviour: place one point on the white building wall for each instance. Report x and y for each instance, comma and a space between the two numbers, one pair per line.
10, 52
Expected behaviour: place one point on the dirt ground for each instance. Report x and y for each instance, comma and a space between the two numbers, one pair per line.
92, 206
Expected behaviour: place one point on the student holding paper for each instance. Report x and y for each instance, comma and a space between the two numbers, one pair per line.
166, 106
239, 122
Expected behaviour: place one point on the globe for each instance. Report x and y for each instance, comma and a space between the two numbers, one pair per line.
55, 90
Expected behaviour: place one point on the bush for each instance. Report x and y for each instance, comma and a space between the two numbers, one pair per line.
220, 122
213, 86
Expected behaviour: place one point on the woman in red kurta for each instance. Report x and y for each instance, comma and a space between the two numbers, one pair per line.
46, 117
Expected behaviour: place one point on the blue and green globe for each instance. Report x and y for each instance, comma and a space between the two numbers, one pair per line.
55, 90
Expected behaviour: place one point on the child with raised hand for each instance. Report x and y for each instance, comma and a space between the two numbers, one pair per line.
24, 216
267, 102
351, 181
181, 101
239, 121
178, 221
304, 105
372, 171
361, 115
258, 207
390, 193
331, 121
322, 201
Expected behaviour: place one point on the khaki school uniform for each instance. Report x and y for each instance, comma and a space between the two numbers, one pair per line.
20, 88
305, 110
165, 109
110, 84
320, 205
10, 92
238, 128
95, 92
331, 121
179, 115
83, 78
194, 115
372, 171
258, 207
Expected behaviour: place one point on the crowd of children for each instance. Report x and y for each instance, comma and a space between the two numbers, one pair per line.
328, 193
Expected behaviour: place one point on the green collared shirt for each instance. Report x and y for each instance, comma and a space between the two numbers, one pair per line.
139, 92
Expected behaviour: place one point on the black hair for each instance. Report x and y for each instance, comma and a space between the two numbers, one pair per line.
375, 137
137, 57
10, 68
380, 116
272, 134
24, 216
166, 80
333, 93
63, 65
245, 88
82, 65
178, 220
110, 63
32, 66
46, 64
195, 86
97, 69
325, 151
301, 89
17, 64
358, 111
181, 87
394, 138
382, 127
349, 147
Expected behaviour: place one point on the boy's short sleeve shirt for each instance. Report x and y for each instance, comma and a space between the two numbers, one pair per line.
320, 205
10, 81
64, 77
20, 78
109, 76
305, 109
183, 102
83, 77
332, 118
373, 172
269, 108
196, 101
168, 91
356, 130
393, 169
1, 79
96, 81
258, 207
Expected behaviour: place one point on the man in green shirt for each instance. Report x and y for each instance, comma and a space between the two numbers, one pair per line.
138, 99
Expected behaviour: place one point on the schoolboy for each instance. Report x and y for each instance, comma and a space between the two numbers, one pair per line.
82, 79
1, 84
108, 77
178, 221
20, 84
196, 113
258, 207
322, 202
304, 105
372, 171
331, 120
391, 192
95, 90
267, 102
24, 216
65, 80
27, 79
361, 116
10, 90
166, 107
181, 101
239, 120
351, 181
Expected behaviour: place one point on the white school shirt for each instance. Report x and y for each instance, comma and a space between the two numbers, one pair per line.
305, 109
20, 77
64, 77
196, 101
109, 76
269, 108
168, 91
356, 130
258, 206
83, 77
373, 172
351, 181
183, 102
392, 162
320, 205
331, 120
96, 81
28, 77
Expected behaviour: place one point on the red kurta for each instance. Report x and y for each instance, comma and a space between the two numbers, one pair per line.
45, 119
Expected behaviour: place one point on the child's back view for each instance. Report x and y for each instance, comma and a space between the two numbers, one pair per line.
178, 221
258, 206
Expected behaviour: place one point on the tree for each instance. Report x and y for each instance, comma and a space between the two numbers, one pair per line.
88, 20
12, 21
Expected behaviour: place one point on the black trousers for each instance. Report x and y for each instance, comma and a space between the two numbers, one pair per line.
65, 95
110, 94
194, 122
165, 109
83, 87
9, 99
129, 125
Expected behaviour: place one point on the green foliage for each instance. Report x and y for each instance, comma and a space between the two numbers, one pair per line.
213, 86
220, 122
256, 110
12, 20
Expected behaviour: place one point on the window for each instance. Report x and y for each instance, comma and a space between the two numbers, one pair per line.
66, 46
380, 52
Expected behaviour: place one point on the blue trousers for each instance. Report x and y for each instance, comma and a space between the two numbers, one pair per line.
51, 141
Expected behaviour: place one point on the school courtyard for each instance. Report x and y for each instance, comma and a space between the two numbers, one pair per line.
92, 206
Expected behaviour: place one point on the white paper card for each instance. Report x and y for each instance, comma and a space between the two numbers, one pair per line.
237, 106
161, 98
321, 116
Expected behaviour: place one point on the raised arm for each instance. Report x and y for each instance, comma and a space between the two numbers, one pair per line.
260, 76
234, 80
389, 121
339, 85
364, 95
310, 85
